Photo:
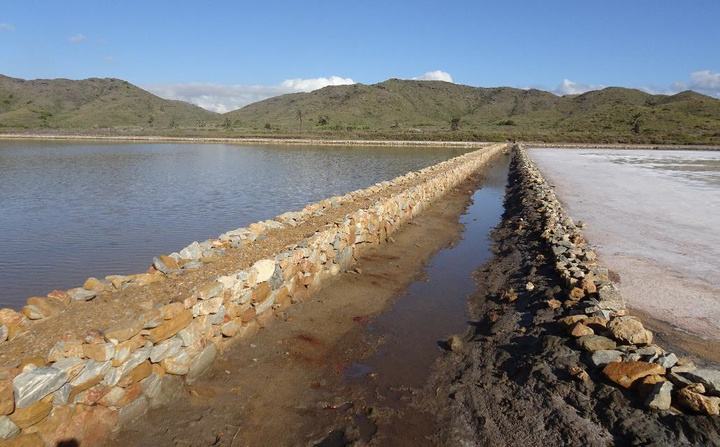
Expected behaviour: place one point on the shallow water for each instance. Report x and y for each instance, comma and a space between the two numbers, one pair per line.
436, 306
656, 218
69, 211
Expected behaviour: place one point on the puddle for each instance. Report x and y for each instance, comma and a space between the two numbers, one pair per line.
436, 306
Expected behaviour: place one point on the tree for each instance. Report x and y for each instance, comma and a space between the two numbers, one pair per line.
636, 123
454, 124
299, 117
323, 120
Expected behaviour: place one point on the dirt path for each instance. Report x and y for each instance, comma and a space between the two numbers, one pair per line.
511, 386
286, 386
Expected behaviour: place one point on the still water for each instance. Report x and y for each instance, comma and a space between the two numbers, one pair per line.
69, 211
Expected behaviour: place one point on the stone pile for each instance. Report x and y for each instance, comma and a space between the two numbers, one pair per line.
90, 383
594, 314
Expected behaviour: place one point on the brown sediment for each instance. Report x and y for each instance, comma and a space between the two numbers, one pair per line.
292, 375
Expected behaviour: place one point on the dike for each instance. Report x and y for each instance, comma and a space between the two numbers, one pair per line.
91, 381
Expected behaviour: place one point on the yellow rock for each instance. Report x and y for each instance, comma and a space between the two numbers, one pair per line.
32, 414
49, 307
171, 327
626, 374
7, 399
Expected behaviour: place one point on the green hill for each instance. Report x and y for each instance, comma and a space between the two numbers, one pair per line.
426, 109
90, 104
394, 109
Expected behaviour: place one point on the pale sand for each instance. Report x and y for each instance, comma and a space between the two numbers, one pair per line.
656, 221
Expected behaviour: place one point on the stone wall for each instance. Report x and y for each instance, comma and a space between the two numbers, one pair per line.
595, 316
90, 383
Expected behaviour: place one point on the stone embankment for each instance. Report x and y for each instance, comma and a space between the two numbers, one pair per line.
594, 314
92, 381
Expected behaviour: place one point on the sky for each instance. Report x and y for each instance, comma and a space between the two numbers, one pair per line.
222, 55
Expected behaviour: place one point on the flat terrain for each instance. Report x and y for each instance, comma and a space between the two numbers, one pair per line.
653, 216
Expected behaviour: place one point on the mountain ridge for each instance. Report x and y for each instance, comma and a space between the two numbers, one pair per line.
394, 108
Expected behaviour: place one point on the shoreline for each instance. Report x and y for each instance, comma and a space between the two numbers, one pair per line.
347, 142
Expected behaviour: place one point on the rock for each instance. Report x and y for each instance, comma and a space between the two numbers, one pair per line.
92, 374
666, 360
60, 296
201, 363
178, 364
678, 380
49, 307
661, 396
579, 373
596, 323
165, 349
232, 327
33, 413
529, 286
568, 322
99, 352
62, 395
72, 366
454, 343
209, 290
8, 429
646, 385
190, 334
207, 307
4, 333
261, 292
170, 327
151, 385
151, 318
168, 261
265, 269
118, 281
80, 294
576, 294
630, 330
136, 375
133, 410
554, 304
592, 343
192, 251
10, 318
604, 356
98, 285
31, 386
123, 330
626, 373
7, 397
25, 440
33, 313
172, 310
708, 377
580, 329
691, 398
136, 358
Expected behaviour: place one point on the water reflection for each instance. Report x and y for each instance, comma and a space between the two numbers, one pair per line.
69, 211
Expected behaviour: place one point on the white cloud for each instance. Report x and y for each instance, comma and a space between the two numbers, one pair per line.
77, 38
308, 85
4, 26
437, 75
223, 98
705, 80
568, 87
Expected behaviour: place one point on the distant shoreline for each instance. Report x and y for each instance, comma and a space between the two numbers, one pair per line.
346, 142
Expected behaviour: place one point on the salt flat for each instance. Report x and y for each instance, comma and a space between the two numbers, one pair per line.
655, 217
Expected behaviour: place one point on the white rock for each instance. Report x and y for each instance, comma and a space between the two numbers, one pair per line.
31, 386
265, 269
165, 349
8, 429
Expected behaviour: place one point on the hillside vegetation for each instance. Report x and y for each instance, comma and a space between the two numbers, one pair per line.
90, 104
392, 109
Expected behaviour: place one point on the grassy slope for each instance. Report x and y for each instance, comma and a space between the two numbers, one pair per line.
90, 103
391, 109
422, 108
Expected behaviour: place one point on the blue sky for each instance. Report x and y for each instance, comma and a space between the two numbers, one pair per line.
224, 54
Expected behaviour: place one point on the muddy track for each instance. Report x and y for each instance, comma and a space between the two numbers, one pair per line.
510, 385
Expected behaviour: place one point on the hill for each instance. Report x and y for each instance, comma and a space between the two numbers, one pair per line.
427, 109
90, 104
394, 109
